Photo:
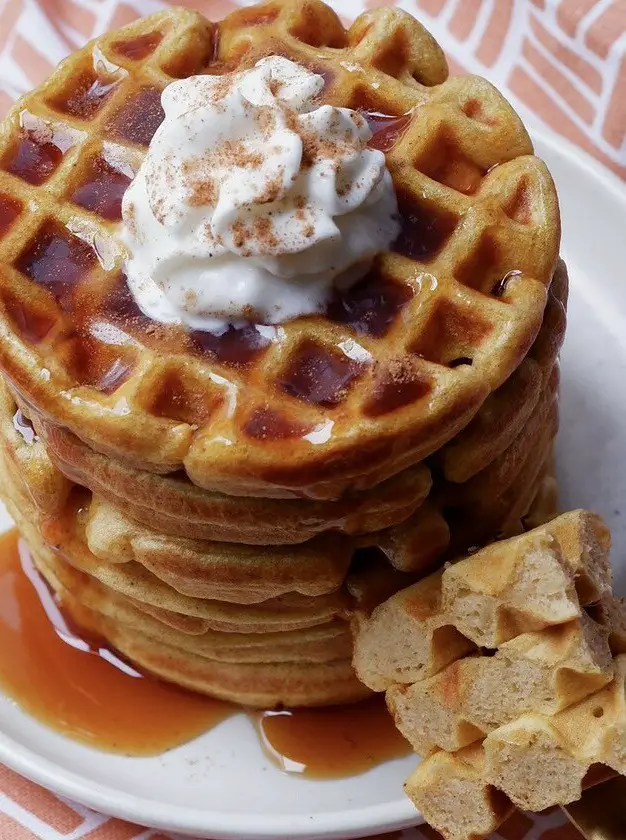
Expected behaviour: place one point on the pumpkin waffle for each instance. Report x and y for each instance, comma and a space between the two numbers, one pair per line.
239, 573
485, 600
251, 665
417, 544
489, 485
445, 317
305, 667
235, 573
438, 532
451, 790
479, 523
293, 649
504, 414
534, 694
544, 672
535, 762
65, 535
173, 505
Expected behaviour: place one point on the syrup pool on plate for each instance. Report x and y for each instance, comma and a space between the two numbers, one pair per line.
77, 685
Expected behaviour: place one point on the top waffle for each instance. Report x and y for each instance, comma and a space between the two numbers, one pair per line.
394, 369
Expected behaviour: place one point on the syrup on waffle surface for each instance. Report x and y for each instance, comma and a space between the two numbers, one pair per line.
443, 319
173, 505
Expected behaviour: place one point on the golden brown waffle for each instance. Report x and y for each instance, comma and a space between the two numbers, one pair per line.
306, 667
417, 544
535, 762
173, 505
450, 791
285, 612
323, 643
234, 573
480, 522
65, 535
293, 649
486, 600
487, 487
542, 672
223, 571
503, 415
447, 316
536, 696
252, 665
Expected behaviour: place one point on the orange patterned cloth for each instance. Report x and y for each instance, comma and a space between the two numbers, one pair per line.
27, 812
563, 64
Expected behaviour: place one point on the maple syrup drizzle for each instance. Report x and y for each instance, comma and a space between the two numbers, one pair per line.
356, 737
139, 117
72, 681
56, 259
33, 161
386, 129
10, 209
24, 427
88, 95
369, 307
102, 191
140, 47
266, 424
423, 231
236, 346
320, 376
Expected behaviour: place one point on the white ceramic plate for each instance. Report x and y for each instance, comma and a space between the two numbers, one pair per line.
221, 785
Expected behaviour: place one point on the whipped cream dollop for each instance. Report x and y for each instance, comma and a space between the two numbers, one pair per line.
253, 201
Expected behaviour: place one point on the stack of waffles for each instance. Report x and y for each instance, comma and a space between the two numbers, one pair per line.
507, 672
217, 507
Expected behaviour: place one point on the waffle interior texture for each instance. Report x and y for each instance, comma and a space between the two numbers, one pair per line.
446, 316
506, 672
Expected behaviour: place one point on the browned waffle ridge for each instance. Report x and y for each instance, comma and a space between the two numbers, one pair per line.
175, 506
447, 315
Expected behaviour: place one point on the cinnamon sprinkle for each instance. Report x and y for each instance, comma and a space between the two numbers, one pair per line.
203, 193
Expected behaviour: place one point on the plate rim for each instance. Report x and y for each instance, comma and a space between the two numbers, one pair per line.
112, 802
337, 825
